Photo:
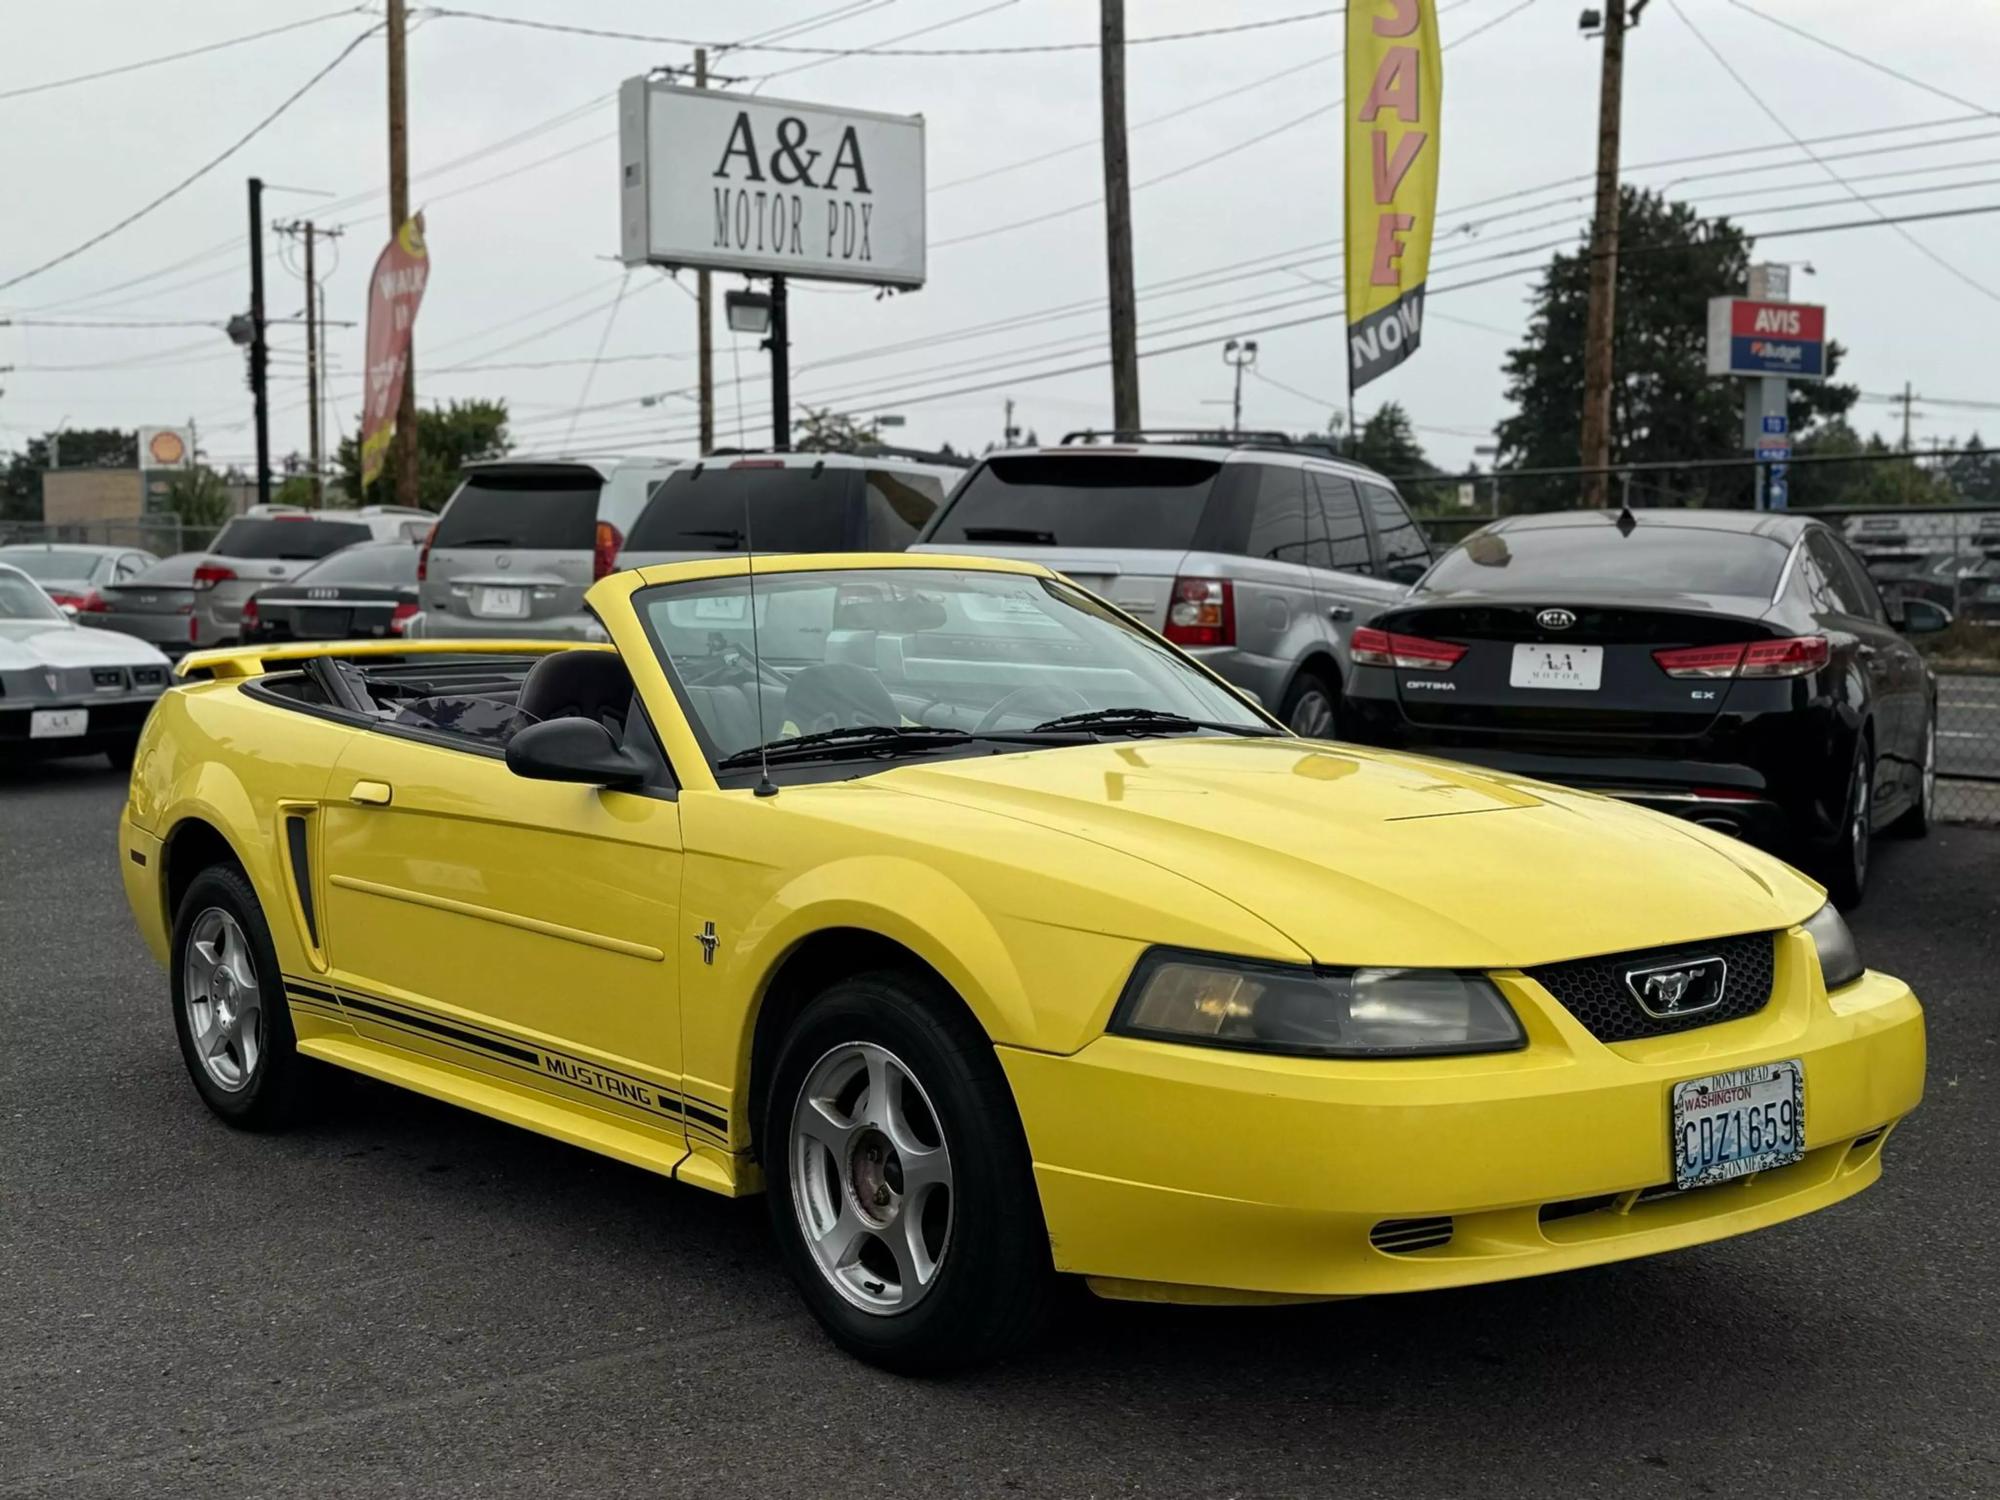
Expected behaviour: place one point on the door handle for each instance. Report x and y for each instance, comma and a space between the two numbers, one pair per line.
1339, 612
370, 794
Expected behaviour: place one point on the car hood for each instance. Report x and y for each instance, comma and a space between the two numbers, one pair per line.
57, 643
1372, 858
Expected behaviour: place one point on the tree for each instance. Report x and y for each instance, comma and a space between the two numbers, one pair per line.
1664, 403
829, 431
1974, 473
448, 438
1388, 443
78, 448
199, 497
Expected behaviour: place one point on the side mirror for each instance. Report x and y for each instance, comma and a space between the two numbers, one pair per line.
1923, 617
573, 749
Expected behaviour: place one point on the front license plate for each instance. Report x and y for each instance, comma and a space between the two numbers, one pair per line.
511, 604
1732, 1124
58, 723
1576, 667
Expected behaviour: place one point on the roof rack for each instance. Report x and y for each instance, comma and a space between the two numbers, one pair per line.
1209, 436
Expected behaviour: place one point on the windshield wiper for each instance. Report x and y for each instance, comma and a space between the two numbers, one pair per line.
1010, 534
828, 744
1144, 721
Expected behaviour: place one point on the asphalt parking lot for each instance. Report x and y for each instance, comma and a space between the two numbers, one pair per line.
404, 1299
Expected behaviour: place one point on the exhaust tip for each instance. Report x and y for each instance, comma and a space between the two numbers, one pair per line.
1721, 825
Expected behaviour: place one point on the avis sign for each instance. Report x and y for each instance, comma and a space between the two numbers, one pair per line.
728, 182
1754, 337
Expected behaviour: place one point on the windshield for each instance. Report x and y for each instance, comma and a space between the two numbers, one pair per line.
386, 564
956, 653
1081, 500
52, 567
1656, 558
296, 537
21, 599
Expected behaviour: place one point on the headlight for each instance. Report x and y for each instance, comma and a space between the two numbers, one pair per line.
1228, 1002
1839, 960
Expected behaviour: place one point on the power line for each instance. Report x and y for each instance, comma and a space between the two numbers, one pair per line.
889, 41
1772, 115
1015, 51
173, 57
199, 172
1862, 58
590, 375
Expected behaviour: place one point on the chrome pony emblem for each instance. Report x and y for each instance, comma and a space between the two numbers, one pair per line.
1675, 990
708, 940
1555, 619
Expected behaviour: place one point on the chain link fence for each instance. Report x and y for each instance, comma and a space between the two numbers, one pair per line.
163, 536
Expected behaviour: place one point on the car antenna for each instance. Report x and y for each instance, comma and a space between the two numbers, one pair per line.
765, 786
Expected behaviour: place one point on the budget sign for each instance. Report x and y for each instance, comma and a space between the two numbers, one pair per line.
1749, 337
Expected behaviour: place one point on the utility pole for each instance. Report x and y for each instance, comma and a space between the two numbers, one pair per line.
704, 340
1239, 356
1597, 371
403, 461
1009, 433
259, 350
310, 234
779, 342
1906, 400
1118, 223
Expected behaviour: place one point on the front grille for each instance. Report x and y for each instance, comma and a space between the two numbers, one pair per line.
1405, 1236
1594, 990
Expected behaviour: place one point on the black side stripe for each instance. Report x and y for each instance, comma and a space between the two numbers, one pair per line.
451, 1033
311, 992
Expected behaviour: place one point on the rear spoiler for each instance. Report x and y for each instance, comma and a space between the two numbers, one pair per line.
238, 662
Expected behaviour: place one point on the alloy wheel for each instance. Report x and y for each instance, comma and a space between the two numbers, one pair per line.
1862, 805
871, 1178
225, 1006
1928, 789
1312, 715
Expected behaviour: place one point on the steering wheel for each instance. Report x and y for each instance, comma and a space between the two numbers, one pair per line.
1059, 700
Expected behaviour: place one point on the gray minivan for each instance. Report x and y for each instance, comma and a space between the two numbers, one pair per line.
522, 539
1257, 556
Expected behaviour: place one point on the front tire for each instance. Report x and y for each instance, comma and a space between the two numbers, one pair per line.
1915, 823
898, 1179
230, 1014
1312, 707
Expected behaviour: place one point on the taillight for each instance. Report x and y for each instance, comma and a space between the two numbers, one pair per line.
249, 618
209, 574
424, 557
604, 556
92, 603
1202, 612
1370, 647
400, 617
1794, 656
66, 599
194, 630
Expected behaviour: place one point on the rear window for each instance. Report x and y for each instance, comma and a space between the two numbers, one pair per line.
388, 566
1078, 500
1654, 559
287, 537
533, 511
48, 567
784, 510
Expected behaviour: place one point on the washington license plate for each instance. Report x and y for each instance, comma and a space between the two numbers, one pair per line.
58, 723
506, 604
1732, 1124
1577, 667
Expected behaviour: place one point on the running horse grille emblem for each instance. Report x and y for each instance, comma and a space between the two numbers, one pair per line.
708, 940
1671, 991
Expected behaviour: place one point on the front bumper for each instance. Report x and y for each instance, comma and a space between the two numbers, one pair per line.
113, 721
1187, 1173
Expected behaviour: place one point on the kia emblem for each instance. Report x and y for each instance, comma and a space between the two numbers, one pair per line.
1555, 619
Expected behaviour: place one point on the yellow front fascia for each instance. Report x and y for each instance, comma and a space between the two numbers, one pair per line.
1170, 1168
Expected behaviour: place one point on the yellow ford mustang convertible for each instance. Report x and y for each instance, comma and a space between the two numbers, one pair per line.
993, 938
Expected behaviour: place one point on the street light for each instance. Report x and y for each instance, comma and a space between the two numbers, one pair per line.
748, 312
1240, 355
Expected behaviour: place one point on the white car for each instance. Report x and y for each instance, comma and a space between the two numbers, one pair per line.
65, 690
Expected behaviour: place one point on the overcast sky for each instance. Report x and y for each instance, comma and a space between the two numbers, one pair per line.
523, 236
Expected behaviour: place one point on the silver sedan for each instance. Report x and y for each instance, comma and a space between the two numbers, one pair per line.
65, 690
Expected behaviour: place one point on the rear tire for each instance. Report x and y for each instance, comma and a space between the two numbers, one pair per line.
1843, 868
1915, 823
898, 1179
230, 1014
1312, 707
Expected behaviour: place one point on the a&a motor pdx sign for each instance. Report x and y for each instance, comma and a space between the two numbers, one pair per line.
727, 182
1752, 337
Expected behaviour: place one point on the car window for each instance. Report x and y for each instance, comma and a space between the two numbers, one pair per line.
530, 509
1278, 517
1081, 500
1851, 583
711, 508
1653, 558
390, 565
22, 599
1339, 539
1398, 540
287, 537
52, 567
899, 506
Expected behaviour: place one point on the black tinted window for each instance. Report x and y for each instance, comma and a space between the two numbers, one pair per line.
1278, 523
1339, 540
551, 511
786, 510
286, 536
390, 565
1405, 553
899, 506
1080, 500
1655, 559
1852, 592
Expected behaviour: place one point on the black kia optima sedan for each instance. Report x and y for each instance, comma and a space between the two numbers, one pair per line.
1740, 669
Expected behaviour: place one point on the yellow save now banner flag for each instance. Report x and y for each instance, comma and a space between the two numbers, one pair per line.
1395, 85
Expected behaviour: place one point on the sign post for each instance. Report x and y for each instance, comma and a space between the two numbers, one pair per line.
1773, 342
